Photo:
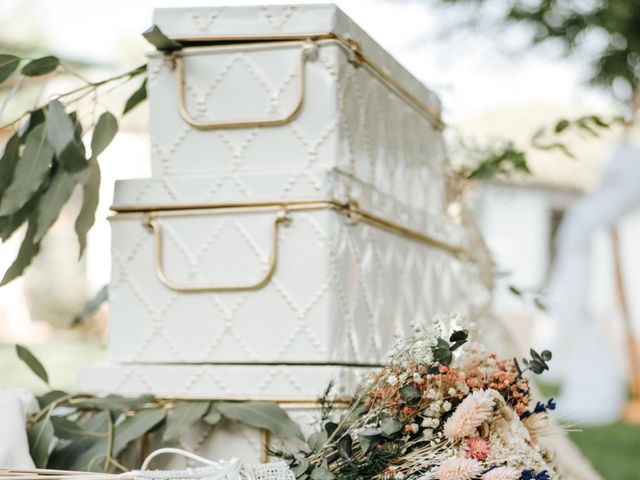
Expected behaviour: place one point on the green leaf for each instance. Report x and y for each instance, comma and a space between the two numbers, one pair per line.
41, 66
49, 397
213, 416
345, 447
8, 65
136, 97
82, 454
115, 402
40, 437
36, 117
269, 416
317, 439
562, 125
515, 290
8, 162
389, 425
459, 336
90, 198
159, 40
92, 305
300, 466
32, 362
135, 426
184, 415
322, 473
546, 355
10, 223
103, 133
28, 250
30, 171
60, 128
66, 429
52, 201
72, 157
411, 395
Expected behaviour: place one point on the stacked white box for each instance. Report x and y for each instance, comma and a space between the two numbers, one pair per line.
294, 224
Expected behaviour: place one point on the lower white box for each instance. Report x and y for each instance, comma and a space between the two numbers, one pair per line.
300, 383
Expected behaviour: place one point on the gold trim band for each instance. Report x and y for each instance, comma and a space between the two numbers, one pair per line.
350, 209
356, 54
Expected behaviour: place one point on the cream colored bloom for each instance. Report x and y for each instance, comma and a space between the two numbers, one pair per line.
456, 468
474, 409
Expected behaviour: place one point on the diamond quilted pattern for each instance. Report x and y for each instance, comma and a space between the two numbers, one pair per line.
349, 120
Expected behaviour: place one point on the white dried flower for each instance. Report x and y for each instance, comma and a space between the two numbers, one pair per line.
446, 406
392, 380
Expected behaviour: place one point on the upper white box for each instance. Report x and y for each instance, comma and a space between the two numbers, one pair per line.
285, 89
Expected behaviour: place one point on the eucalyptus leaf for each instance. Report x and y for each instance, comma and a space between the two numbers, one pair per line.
317, 439
8, 162
10, 223
60, 127
300, 467
36, 117
81, 454
411, 395
103, 133
8, 65
269, 416
345, 447
40, 438
116, 402
137, 97
389, 425
41, 66
159, 40
213, 416
72, 157
321, 473
546, 355
90, 198
30, 171
28, 249
49, 397
52, 201
180, 418
65, 428
32, 362
92, 305
562, 125
459, 335
136, 426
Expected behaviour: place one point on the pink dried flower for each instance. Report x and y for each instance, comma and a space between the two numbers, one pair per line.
477, 447
457, 468
502, 473
469, 415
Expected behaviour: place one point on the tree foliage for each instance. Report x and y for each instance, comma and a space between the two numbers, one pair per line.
576, 24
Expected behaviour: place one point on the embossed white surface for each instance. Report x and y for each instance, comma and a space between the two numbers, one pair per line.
349, 119
340, 293
256, 382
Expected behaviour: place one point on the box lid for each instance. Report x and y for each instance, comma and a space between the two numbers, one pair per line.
332, 188
268, 22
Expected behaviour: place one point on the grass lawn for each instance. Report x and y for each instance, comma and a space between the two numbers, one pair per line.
614, 450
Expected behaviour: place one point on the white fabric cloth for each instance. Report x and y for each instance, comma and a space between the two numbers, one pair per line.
15, 405
593, 389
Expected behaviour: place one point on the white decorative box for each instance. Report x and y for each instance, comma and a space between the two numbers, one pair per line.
281, 383
322, 274
291, 89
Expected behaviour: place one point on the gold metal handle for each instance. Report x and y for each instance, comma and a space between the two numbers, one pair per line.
152, 225
309, 51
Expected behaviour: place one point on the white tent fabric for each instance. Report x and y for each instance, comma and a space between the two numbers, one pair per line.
15, 405
593, 389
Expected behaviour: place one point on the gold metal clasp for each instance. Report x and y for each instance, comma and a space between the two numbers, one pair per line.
309, 52
151, 224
